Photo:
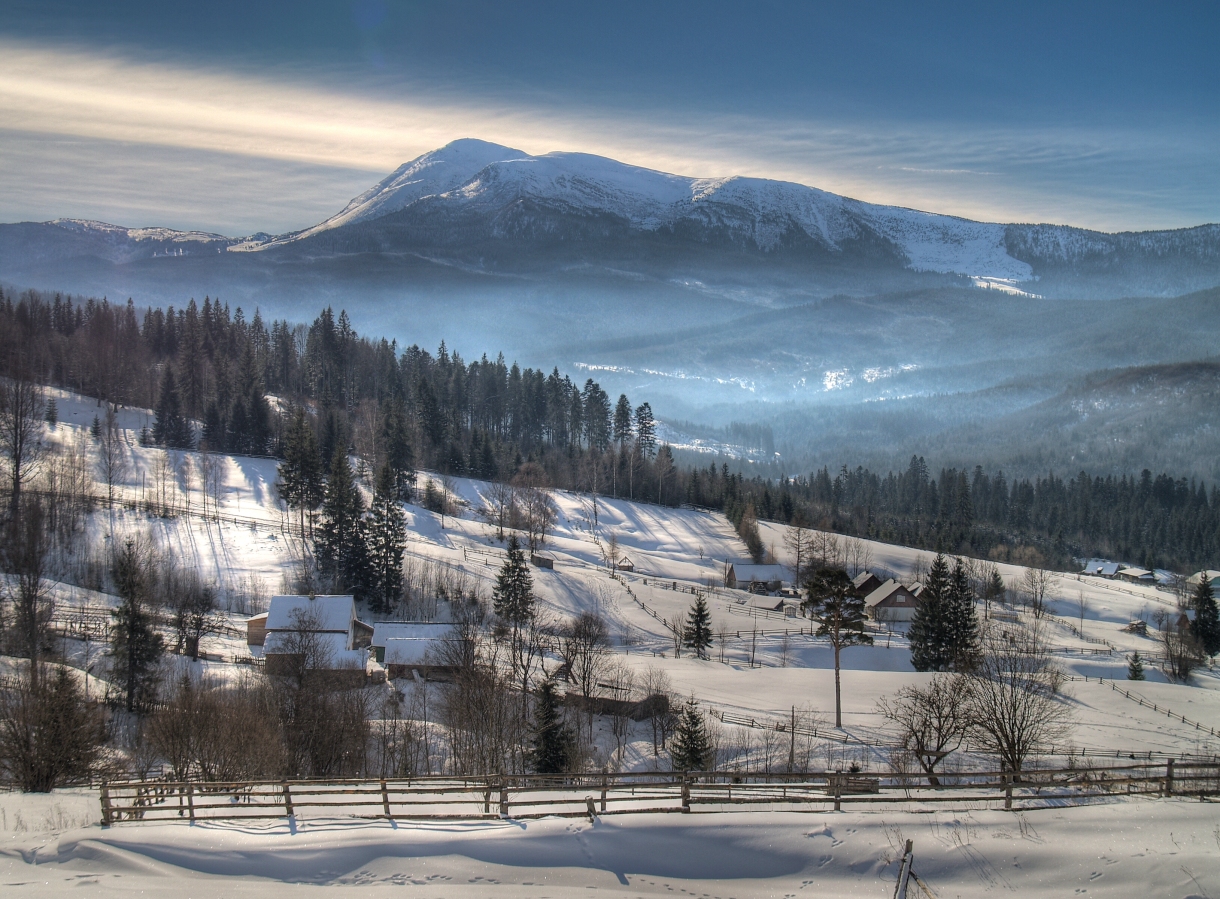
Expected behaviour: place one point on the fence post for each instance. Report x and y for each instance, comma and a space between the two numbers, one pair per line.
106, 817
685, 794
1007, 792
1169, 778
605, 789
190, 801
288, 801
385, 800
504, 797
837, 778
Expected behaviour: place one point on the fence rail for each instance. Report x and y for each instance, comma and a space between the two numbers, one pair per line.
530, 796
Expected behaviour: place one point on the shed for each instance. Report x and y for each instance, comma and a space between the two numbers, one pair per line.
412, 648
1137, 575
740, 575
256, 630
624, 564
540, 561
891, 601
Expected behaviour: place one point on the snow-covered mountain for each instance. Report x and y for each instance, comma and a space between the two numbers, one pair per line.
480, 208
439, 196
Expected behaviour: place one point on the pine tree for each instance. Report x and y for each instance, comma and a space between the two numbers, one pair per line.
342, 549
928, 634
300, 482
52, 416
513, 595
691, 749
698, 633
387, 536
1135, 667
135, 646
170, 427
1206, 626
961, 621
840, 614
552, 745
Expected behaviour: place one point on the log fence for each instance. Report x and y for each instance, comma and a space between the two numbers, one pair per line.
520, 796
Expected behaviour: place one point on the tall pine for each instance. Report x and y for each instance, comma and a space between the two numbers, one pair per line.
691, 748
135, 646
341, 545
961, 621
387, 537
300, 483
840, 613
552, 744
513, 594
171, 427
928, 635
698, 633
1206, 626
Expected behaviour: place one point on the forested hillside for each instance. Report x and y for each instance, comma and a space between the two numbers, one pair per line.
234, 384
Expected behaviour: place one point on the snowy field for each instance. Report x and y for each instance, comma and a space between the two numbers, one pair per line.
1165, 848
229, 527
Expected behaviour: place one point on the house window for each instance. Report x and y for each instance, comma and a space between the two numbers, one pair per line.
900, 599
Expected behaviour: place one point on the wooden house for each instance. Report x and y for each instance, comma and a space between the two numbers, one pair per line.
754, 578
865, 583
891, 601
410, 649
323, 631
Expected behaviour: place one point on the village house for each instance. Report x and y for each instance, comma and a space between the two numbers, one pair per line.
865, 583
322, 628
891, 601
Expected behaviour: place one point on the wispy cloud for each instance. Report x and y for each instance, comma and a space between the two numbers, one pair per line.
238, 152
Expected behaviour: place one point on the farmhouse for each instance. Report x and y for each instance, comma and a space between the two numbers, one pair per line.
865, 583
321, 630
1212, 576
1137, 575
891, 601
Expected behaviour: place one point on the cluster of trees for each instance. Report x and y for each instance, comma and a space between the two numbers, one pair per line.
1158, 522
944, 634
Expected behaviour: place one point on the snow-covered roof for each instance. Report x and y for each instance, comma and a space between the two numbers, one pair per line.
1212, 575
412, 650
384, 631
330, 645
333, 613
745, 571
862, 578
884, 592
1102, 567
1135, 572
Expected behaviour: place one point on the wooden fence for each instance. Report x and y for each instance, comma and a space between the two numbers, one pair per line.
533, 796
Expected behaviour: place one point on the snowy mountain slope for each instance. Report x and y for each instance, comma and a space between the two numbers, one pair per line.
477, 179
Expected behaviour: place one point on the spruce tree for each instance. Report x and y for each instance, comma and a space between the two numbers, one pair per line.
552, 745
513, 595
1206, 626
691, 749
341, 547
840, 613
928, 632
171, 427
962, 622
300, 482
1135, 667
387, 536
698, 633
52, 416
135, 647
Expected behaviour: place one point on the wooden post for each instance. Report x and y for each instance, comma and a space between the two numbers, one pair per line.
504, 798
106, 817
190, 801
1169, 778
837, 779
385, 801
287, 801
605, 789
1007, 792
487, 799
904, 871
685, 794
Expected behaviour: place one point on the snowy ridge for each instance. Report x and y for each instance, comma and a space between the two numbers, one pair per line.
482, 177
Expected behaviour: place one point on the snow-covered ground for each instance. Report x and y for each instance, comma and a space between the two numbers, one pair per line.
234, 534
1131, 849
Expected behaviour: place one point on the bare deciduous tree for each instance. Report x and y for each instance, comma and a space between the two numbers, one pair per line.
1015, 703
24, 554
22, 410
932, 720
112, 453
584, 645
1036, 583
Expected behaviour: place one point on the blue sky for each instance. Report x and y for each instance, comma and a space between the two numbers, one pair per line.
263, 115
